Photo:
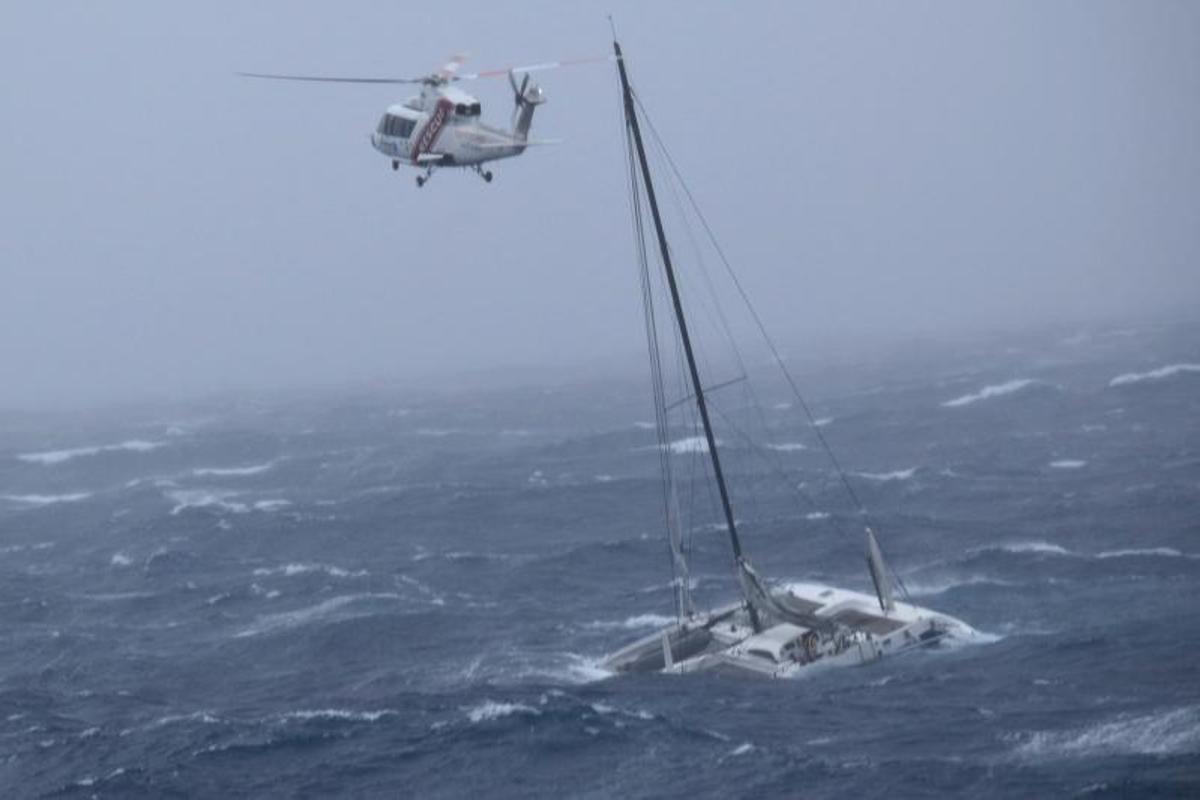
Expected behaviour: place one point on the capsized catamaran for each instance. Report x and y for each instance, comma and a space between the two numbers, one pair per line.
773, 631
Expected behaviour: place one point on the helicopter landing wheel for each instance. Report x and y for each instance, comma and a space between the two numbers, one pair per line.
421, 181
395, 166
487, 177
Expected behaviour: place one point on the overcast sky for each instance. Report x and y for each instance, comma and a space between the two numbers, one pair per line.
875, 171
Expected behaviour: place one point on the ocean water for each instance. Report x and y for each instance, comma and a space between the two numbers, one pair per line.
406, 592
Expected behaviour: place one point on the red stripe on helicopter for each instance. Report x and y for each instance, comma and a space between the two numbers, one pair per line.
433, 128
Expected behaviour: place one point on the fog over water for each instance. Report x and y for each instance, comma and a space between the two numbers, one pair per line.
877, 173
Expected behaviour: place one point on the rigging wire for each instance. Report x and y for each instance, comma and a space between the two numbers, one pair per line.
776, 356
680, 599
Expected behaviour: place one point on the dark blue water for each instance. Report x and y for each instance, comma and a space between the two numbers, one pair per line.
406, 593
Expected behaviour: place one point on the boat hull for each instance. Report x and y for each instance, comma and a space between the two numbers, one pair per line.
813, 627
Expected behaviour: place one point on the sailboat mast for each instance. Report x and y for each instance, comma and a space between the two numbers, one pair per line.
701, 403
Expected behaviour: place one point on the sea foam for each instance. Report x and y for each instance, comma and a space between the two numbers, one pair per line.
1168, 371
895, 475
291, 570
309, 614
987, 392
1163, 733
223, 472
58, 456
46, 499
490, 709
633, 623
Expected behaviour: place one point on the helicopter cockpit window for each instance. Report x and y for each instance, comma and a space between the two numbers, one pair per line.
396, 126
476, 109
467, 109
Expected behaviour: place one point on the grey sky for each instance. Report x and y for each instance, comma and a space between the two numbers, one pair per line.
874, 170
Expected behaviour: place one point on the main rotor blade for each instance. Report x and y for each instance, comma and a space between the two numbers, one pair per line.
450, 68
495, 73
323, 79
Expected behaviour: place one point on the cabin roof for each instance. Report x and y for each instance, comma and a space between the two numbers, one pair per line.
456, 95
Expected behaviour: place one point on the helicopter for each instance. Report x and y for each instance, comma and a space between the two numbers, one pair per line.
441, 126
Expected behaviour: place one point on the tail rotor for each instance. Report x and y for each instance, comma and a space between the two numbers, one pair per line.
526, 97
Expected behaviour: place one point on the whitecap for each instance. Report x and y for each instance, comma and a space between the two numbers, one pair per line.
1162, 733
895, 475
741, 749
690, 444
291, 570
1163, 552
207, 717
302, 616
787, 447
222, 472
1027, 547
1068, 463
120, 560
919, 589
816, 516
1168, 371
47, 499
271, 505
58, 456
490, 709
987, 392
205, 498
632, 623
822, 422
338, 714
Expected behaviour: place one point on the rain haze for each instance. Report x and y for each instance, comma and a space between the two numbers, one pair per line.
875, 172
317, 480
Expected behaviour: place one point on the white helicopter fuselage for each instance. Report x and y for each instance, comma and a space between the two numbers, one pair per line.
441, 127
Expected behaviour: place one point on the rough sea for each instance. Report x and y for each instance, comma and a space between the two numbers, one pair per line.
406, 592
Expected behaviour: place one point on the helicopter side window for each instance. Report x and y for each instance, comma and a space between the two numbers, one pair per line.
396, 126
475, 109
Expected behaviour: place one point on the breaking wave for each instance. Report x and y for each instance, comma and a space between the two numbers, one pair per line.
286, 620
1047, 548
223, 472
58, 456
46, 499
1145, 552
291, 570
987, 392
692, 444
1168, 371
633, 623
787, 447
338, 715
490, 709
1025, 547
895, 475
1068, 463
219, 499
1164, 733
919, 589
